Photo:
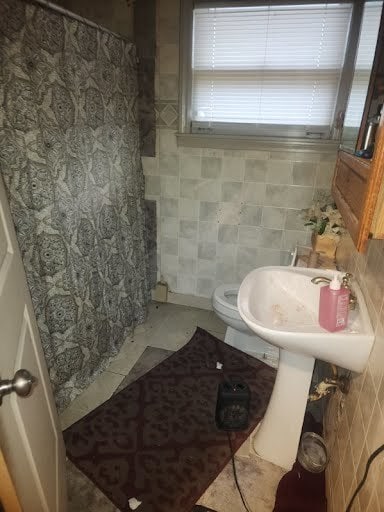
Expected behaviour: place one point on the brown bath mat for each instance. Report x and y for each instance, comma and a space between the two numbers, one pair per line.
156, 440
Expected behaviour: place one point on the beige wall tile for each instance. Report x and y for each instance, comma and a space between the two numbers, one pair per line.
188, 208
338, 496
208, 190
304, 173
233, 168
367, 398
187, 248
167, 141
361, 428
378, 470
152, 185
150, 165
256, 170
374, 504
375, 433
360, 467
168, 87
273, 217
116, 15
169, 165
211, 167
279, 172
254, 193
229, 213
351, 401
250, 215
190, 166
169, 186
324, 174
291, 238
377, 352
168, 21
348, 495
208, 231
169, 59
357, 436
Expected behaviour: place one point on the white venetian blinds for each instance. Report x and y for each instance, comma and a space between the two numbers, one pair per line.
267, 65
364, 59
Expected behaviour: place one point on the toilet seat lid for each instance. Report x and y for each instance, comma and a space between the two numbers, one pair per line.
226, 294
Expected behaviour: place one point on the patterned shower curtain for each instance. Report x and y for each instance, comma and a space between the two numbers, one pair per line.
69, 156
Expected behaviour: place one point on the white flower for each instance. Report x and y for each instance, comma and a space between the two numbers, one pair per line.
324, 219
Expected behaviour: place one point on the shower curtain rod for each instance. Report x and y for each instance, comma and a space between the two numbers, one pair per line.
77, 17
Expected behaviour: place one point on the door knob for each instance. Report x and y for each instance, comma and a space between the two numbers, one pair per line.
21, 384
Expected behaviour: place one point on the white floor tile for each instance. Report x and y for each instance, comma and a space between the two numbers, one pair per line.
219, 335
128, 355
71, 414
99, 391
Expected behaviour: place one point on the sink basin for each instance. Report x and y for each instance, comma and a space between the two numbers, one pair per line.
281, 305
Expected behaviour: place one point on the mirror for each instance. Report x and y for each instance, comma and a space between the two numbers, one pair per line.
363, 66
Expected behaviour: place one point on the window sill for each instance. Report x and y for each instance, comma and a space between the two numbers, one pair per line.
255, 143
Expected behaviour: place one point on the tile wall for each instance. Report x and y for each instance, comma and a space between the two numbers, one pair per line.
355, 424
221, 213
116, 15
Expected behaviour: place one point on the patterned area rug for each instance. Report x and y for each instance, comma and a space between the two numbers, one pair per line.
156, 440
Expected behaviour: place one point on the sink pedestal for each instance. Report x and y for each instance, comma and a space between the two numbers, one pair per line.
278, 436
281, 305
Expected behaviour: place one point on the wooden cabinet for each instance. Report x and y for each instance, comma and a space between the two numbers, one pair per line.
358, 191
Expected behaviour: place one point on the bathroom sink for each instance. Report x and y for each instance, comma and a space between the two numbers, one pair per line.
281, 305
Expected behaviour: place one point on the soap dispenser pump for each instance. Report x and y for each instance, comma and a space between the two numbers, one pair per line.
333, 310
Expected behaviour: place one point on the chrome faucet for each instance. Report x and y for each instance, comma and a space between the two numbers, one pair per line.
345, 283
320, 279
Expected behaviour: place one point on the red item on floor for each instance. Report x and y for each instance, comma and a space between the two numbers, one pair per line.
300, 490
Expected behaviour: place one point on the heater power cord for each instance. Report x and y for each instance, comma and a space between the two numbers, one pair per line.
235, 474
362, 482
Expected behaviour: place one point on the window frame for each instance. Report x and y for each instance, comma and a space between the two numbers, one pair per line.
188, 138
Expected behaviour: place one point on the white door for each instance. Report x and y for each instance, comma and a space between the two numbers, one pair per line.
30, 434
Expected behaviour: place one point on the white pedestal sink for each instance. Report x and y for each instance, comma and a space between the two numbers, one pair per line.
280, 304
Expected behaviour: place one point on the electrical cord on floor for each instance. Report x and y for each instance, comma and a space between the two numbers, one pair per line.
235, 474
362, 482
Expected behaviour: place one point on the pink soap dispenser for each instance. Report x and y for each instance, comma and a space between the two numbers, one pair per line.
334, 306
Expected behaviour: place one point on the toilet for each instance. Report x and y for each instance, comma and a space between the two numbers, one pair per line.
238, 335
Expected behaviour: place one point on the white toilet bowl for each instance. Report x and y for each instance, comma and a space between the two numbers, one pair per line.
224, 303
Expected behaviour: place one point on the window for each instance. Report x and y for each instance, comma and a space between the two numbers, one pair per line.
365, 54
271, 70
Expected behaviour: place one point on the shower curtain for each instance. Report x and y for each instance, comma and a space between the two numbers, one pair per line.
69, 156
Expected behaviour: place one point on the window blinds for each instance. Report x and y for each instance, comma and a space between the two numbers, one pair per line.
267, 65
364, 60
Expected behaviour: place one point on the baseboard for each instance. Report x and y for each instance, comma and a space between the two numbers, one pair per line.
190, 300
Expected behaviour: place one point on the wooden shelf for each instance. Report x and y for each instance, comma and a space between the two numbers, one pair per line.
358, 191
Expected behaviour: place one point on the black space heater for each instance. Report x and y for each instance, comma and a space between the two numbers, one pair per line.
232, 407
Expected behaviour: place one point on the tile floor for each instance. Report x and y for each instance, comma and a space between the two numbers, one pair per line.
169, 326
